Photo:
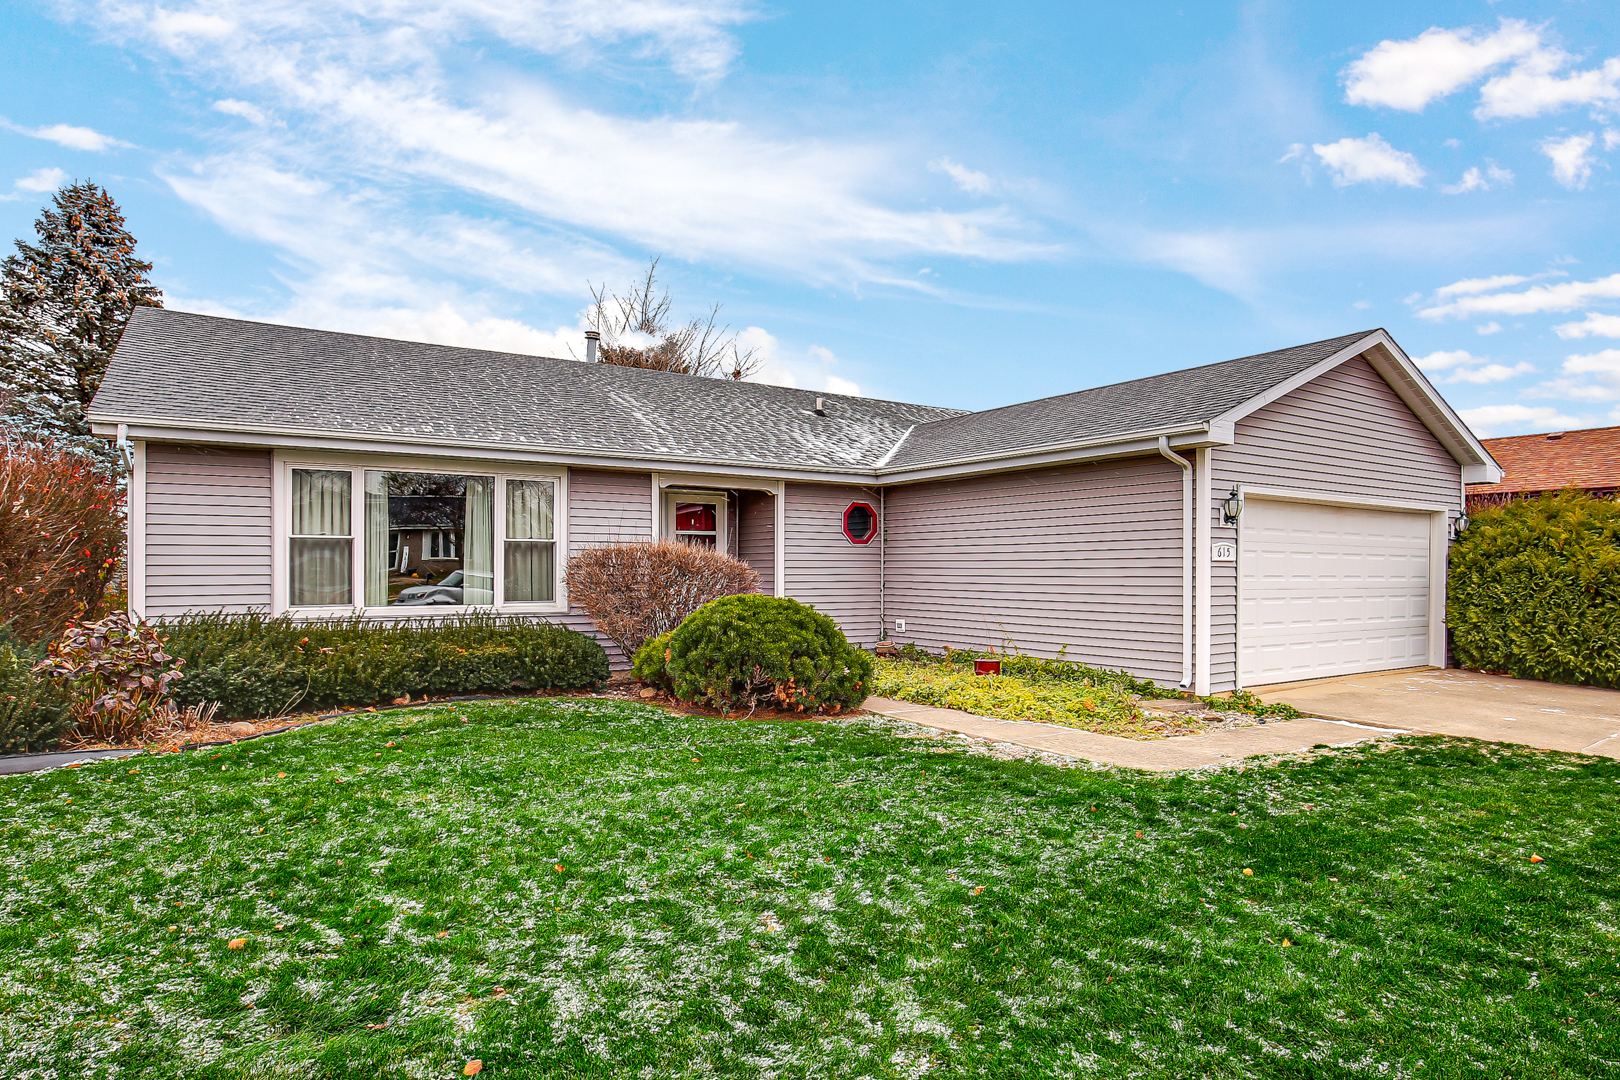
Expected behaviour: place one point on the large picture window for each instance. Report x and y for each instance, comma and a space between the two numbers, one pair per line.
320, 559
426, 540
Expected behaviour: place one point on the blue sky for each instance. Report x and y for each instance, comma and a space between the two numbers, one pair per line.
958, 204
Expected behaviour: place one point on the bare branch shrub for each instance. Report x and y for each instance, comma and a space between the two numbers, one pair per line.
636, 591
60, 536
636, 332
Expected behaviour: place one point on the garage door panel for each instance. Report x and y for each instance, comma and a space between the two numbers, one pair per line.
1331, 590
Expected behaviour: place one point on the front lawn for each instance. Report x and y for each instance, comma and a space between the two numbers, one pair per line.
577, 887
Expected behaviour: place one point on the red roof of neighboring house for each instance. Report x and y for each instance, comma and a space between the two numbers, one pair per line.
1588, 459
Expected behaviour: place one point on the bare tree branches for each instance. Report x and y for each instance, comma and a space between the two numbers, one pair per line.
636, 591
636, 332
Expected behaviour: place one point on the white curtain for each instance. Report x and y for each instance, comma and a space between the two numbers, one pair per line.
478, 555
530, 552
376, 546
319, 564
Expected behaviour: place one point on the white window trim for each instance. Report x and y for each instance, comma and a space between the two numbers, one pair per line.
358, 465
712, 481
717, 499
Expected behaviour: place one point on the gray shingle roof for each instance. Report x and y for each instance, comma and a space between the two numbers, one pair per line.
1173, 400
177, 369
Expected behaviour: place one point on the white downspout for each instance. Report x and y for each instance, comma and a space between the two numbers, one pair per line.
1186, 559
1203, 587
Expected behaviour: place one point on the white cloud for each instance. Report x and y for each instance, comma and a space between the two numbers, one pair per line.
808, 371
1468, 286
1489, 373
74, 138
1594, 325
245, 109
41, 180
1444, 360
1605, 363
1501, 419
969, 180
1564, 296
1611, 138
1369, 160
37, 181
1487, 329
381, 108
1571, 159
1475, 180
1409, 74
1533, 88
1591, 377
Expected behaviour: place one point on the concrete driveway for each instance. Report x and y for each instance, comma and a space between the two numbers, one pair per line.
1580, 719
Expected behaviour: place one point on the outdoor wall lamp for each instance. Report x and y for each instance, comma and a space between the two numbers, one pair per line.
1231, 507
1459, 525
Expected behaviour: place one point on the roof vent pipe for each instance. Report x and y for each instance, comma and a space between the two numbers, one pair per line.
591, 339
821, 406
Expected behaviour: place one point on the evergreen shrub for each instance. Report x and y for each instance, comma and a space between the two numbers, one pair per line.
1535, 590
33, 711
751, 651
258, 666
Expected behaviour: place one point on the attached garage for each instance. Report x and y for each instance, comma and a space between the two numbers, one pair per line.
1332, 589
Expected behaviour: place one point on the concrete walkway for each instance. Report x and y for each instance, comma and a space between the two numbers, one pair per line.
1157, 755
21, 763
1578, 719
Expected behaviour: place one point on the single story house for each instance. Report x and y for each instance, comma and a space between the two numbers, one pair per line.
1277, 517
1586, 460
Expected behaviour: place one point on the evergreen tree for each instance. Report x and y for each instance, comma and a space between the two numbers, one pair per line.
64, 303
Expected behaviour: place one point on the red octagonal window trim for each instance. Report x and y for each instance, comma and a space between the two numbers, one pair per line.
860, 523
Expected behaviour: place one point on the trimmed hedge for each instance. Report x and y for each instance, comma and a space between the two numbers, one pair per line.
258, 666
33, 710
745, 652
1535, 590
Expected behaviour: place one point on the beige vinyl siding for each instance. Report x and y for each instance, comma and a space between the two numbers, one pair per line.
756, 535
1345, 433
605, 508
822, 568
1087, 557
608, 507
207, 530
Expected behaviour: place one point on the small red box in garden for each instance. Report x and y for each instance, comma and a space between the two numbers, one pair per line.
987, 667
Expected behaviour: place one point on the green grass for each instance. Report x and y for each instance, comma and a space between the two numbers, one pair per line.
801, 901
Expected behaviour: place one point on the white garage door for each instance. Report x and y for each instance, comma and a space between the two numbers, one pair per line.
1331, 590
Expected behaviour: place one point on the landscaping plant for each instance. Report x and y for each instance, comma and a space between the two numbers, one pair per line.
1535, 590
33, 711
60, 536
118, 679
751, 652
255, 666
637, 591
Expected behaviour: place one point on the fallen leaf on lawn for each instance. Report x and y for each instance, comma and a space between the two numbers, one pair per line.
443, 933
464, 720
559, 868
388, 744
377, 1027
172, 926
474, 1067
280, 926
1537, 858
977, 889
372, 708
1247, 872
1286, 943
281, 776
1139, 834
236, 943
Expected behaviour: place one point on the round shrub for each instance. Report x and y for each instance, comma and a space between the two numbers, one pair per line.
1535, 590
745, 652
651, 664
